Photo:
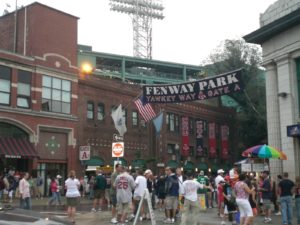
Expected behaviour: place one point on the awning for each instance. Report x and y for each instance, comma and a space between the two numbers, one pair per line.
16, 148
189, 166
92, 168
95, 161
138, 163
215, 167
172, 164
202, 166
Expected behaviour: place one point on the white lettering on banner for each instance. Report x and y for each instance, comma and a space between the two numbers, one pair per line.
146, 196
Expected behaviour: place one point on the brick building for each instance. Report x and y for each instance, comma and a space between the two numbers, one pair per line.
50, 111
38, 90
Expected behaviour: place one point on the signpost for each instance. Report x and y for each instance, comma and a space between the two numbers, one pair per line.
84, 153
117, 137
146, 196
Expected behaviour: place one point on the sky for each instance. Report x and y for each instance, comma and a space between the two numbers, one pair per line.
190, 31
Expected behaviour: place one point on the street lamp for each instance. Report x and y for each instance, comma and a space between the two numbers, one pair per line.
86, 68
177, 153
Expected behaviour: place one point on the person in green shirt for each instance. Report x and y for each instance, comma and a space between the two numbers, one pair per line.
202, 193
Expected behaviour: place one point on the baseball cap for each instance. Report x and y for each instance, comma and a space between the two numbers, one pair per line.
201, 172
58, 176
220, 171
148, 172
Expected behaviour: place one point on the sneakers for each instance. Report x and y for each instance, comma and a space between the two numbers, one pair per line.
93, 210
172, 220
114, 220
278, 214
168, 220
99, 210
267, 220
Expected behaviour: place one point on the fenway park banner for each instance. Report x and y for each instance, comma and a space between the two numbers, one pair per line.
197, 90
212, 141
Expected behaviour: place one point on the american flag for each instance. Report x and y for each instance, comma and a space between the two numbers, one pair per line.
145, 110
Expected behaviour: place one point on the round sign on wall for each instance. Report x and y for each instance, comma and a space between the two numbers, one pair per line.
117, 149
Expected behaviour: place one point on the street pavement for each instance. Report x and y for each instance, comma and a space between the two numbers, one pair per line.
85, 217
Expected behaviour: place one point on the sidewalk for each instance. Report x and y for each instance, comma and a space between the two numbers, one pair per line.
85, 217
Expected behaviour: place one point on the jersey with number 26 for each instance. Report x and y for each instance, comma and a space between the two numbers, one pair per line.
124, 184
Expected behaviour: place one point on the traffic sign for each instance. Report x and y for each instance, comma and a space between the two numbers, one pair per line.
84, 152
117, 149
117, 137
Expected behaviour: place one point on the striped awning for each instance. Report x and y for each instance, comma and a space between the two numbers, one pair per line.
16, 148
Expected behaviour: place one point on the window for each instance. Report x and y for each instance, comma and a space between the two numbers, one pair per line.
5, 83
24, 87
172, 121
90, 110
100, 112
56, 95
135, 119
171, 148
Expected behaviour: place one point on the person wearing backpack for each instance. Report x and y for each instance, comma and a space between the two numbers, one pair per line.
99, 191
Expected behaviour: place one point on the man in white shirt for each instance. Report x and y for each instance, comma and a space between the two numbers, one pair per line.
191, 203
220, 177
140, 187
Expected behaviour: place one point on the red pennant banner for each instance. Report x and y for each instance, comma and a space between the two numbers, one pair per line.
185, 136
224, 138
212, 142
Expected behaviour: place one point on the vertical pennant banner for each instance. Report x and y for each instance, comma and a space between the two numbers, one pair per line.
185, 136
212, 142
199, 138
224, 139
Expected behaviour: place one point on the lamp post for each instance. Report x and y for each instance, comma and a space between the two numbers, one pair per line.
177, 153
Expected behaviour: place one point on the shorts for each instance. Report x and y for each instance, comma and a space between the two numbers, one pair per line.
161, 195
124, 207
171, 202
99, 194
113, 200
72, 202
244, 207
267, 203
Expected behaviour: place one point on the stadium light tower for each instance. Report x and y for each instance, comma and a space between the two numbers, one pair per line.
142, 13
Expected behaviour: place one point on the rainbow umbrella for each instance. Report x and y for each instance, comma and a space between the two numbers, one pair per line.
264, 152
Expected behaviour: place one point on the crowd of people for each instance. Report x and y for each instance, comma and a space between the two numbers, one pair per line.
238, 197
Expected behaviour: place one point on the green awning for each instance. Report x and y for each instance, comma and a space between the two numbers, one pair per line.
189, 166
138, 163
214, 167
202, 166
122, 160
227, 167
172, 164
95, 161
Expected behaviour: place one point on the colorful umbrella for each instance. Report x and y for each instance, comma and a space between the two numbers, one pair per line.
264, 152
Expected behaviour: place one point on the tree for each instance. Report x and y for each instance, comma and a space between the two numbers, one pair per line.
251, 119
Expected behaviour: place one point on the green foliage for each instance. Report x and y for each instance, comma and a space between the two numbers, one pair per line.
251, 120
